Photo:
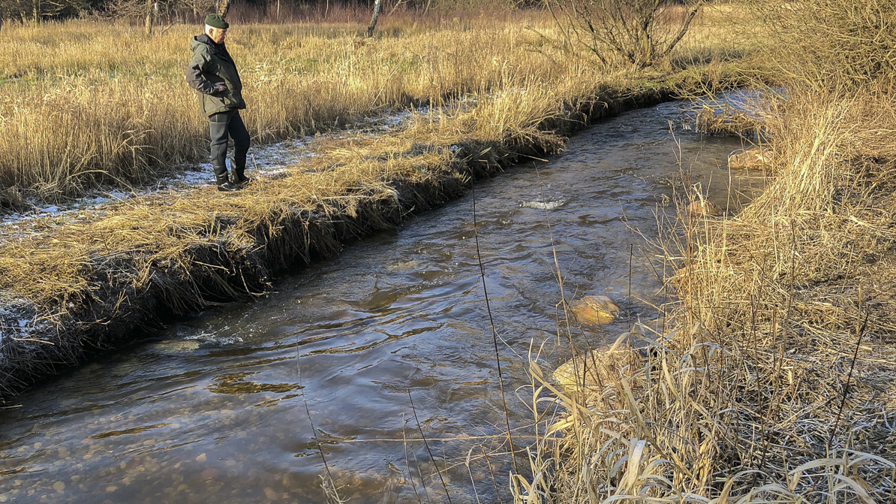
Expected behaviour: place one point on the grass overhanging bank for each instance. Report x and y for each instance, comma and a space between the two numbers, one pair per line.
83, 284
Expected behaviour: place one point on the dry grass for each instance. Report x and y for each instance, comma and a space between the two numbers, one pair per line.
822, 44
694, 421
81, 112
821, 230
78, 112
776, 382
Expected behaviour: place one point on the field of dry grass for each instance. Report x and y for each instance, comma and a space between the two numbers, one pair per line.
77, 111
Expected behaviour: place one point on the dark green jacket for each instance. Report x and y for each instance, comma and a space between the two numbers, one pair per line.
211, 63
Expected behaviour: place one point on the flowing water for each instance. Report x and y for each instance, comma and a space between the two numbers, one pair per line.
377, 348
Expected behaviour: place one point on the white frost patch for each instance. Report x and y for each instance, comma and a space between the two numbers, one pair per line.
18, 324
543, 205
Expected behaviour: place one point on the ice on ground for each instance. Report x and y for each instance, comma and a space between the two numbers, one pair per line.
19, 325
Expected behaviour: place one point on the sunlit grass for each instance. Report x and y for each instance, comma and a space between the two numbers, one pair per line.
78, 111
773, 381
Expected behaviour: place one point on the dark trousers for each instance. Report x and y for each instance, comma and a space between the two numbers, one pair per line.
222, 125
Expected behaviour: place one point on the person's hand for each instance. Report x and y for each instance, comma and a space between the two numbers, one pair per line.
220, 87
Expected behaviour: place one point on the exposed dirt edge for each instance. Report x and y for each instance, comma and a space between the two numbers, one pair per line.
49, 344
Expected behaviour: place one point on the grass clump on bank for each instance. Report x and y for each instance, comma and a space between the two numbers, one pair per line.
775, 382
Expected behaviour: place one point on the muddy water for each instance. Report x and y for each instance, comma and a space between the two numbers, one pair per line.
219, 408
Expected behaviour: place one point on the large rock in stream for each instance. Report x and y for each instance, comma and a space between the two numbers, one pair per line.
703, 208
753, 159
594, 310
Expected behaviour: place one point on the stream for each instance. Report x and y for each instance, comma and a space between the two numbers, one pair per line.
386, 344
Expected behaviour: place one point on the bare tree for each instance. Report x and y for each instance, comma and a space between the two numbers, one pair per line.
640, 31
376, 15
149, 15
223, 8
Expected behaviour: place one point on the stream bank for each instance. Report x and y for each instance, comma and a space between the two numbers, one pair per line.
83, 289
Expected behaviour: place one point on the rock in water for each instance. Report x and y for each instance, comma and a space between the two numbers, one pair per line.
594, 310
704, 208
597, 370
756, 159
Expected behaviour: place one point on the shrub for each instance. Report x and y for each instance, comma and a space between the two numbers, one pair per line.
640, 31
829, 43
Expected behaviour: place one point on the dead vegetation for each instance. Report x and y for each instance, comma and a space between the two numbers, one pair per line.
775, 383
77, 113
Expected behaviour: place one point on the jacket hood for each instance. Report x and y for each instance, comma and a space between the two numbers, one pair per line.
202, 40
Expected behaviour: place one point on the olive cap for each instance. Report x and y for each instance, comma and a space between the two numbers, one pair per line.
216, 21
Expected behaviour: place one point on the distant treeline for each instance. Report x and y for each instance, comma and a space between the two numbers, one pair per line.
182, 10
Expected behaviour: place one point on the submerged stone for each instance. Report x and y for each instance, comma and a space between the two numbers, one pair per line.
594, 310
597, 370
703, 208
756, 159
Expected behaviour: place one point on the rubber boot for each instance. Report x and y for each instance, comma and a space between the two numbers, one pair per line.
224, 183
237, 176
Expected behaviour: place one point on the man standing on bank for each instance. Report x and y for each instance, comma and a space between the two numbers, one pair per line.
213, 73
